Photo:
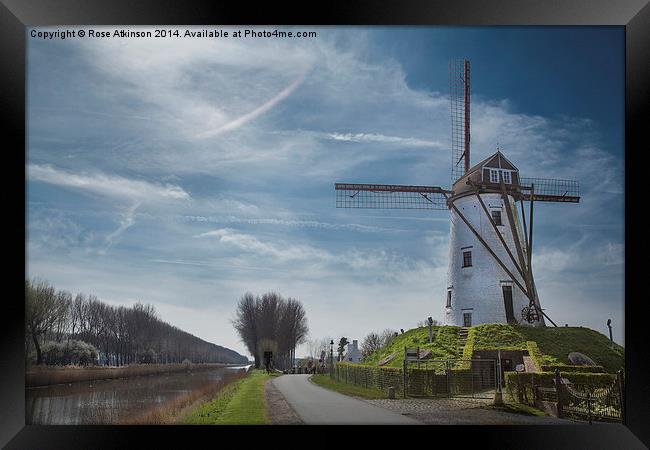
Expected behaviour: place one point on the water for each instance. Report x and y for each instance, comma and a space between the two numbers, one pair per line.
114, 401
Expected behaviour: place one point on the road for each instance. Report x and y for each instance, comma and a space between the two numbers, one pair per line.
319, 406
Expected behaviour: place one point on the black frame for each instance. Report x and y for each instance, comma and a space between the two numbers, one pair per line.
15, 15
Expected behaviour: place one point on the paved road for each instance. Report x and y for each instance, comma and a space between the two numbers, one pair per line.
319, 406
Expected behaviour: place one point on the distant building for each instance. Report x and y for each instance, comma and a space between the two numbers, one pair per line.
353, 354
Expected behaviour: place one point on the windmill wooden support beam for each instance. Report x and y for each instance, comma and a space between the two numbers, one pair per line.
515, 238
489, 249
498, 233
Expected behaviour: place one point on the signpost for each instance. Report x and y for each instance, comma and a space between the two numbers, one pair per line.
410, 354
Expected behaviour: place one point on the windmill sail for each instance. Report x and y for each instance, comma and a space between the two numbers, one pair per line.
390, 196
459, 93
551, 190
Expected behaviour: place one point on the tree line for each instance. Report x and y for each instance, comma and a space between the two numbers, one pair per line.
121, 335
271, 323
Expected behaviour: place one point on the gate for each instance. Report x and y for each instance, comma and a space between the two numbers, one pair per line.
591, 403
473, 378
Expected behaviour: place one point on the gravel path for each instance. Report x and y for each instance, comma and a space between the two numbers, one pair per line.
460, 411
279, 411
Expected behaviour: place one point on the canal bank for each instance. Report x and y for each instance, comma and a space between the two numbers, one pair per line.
37, 376
150, 398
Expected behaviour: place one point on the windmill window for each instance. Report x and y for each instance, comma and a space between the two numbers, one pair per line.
448, 298
506, 177
494, 176
467, 259
496, 217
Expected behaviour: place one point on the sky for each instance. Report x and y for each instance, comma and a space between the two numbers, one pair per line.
184, 172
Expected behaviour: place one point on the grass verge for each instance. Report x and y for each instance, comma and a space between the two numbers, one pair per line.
325, 381
239, 403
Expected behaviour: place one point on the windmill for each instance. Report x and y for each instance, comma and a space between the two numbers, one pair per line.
490, 273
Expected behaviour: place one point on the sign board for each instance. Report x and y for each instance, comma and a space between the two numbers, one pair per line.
411, 354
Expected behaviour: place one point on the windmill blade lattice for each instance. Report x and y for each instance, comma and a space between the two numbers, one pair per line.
390, 196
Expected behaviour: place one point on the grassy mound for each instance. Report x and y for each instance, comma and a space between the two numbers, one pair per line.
554, 343
443, 346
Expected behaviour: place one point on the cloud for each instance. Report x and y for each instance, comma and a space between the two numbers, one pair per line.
380, 138
107, 185
293, 223
128, 219
266, 106
248, 243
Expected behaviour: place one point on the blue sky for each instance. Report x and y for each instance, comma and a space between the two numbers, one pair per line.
185, 172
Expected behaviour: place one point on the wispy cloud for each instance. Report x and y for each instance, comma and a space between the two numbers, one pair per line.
249, 243
127, 220
107, 185
266, 106
293, 223
380, 138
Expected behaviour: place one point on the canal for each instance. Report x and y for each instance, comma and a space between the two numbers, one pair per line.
119, 400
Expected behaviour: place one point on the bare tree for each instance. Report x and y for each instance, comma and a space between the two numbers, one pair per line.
121, 335
43, 310
370, 344
271, 319
387, 336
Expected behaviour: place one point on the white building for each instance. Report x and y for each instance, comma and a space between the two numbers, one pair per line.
353, 354
479, 290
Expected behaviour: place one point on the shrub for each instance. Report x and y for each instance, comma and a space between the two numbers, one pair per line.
72, 352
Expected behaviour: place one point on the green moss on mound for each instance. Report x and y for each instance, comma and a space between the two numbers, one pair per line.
554, 344
443, 346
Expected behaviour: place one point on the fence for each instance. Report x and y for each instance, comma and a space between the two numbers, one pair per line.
369, 376
429, 378
585, 396
584, 401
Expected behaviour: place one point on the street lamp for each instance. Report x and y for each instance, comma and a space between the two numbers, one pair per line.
331, 355
609, 325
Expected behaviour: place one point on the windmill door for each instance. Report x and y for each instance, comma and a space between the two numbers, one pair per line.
507, 300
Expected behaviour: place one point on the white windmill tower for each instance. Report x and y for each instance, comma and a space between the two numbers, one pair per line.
490, 278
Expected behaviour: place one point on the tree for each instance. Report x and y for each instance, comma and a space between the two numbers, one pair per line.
341, 348
120, 335
370, 344
387, 336
274, 321
43, 309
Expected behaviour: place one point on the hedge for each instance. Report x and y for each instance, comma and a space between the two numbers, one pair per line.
535, 354
573, 369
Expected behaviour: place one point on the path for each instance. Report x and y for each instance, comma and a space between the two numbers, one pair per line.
319, 406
